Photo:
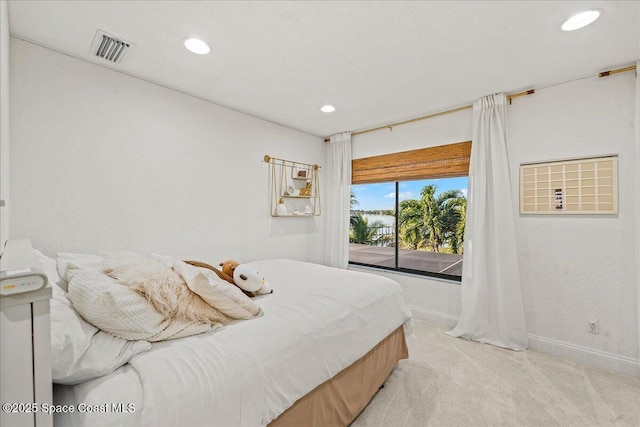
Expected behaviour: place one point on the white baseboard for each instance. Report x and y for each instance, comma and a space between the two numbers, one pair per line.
612, 362
434, 316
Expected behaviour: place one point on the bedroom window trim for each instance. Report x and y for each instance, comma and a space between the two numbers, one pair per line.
443, 161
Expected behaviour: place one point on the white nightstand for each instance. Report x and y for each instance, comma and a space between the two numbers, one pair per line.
25, 356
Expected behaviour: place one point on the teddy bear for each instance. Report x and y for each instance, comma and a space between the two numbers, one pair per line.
228, 266
221, 274
250, 280
306, 191
247, 278
225, 274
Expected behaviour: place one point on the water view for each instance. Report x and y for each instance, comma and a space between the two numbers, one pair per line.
430, 235
384, 219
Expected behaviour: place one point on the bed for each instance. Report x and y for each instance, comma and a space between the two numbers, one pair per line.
326, 341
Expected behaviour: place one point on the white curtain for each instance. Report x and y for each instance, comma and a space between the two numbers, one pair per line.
492, 310
338, 201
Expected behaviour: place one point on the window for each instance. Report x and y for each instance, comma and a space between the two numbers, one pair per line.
408, 211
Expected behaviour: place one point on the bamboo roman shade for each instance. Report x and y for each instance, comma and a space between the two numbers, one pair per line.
434, 162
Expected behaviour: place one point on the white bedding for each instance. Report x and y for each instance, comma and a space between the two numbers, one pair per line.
318, 321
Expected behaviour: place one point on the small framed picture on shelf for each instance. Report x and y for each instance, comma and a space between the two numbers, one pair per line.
300, 171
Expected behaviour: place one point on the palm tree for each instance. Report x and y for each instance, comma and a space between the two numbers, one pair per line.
362, 232
452, 219
354, 201
352, 215
410, 227
431, 221
459, 231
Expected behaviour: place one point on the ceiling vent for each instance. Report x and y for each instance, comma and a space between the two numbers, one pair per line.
110, 49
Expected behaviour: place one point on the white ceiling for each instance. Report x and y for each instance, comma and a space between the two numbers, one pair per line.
377, 62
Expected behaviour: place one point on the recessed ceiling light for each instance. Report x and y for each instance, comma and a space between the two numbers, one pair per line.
196, 46
580, 20
327, 108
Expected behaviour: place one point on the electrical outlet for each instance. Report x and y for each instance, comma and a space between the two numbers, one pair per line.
593, 326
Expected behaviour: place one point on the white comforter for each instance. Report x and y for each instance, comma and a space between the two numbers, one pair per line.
318, 321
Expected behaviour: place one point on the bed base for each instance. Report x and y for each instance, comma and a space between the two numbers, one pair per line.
338, 401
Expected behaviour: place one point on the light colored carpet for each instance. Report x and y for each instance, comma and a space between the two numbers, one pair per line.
453, 382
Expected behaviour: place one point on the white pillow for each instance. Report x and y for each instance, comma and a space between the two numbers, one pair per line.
67, 261
79, 351
218, 293
104, 355
49, 267
122, 312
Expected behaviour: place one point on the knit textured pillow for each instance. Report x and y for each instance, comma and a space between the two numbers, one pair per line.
122, 312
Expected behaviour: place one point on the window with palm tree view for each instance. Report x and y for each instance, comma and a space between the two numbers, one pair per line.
412, 226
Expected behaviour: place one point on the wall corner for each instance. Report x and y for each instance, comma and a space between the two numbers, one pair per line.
4, 123
638, 200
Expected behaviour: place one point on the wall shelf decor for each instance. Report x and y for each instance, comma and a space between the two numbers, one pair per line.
295, 190
579, 186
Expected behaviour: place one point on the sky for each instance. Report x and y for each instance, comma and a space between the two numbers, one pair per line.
382, 196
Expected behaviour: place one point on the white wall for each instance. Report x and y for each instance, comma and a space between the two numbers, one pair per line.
104, 161
573, 268
4, 122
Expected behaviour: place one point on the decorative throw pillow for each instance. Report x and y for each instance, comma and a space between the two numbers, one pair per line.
218, 293
67, 261
79, 351
122, 312
161, 286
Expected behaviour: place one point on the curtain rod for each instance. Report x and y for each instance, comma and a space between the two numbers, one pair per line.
267, 159
468, 107
619, 70
430, 116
